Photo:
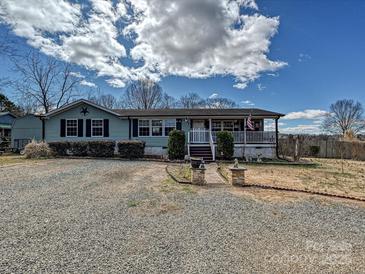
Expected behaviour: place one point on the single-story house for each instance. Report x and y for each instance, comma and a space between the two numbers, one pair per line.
6, 121
83, 120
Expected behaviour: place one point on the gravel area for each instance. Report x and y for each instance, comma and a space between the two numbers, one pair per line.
68, 215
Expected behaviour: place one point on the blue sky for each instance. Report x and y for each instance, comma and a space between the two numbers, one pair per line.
321, 42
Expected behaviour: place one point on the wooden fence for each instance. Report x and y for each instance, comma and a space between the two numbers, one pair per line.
322, 146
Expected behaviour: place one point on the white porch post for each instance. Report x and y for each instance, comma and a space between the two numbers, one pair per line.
244, 130
210, 124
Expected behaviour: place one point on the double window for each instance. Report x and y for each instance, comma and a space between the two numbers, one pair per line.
97, 128
227, 125
71, 128
156, 127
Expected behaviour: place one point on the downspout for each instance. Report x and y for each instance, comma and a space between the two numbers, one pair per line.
129, 131
43, 129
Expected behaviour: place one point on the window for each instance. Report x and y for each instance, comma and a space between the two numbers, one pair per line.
228, 125
170, 125
97, 128
71, 128
144, 127
156, 127
216, 125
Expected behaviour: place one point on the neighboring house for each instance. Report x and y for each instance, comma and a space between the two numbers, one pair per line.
86, 121
6, 121
25, 129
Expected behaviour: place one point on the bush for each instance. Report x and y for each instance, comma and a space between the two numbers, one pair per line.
101, 148
60, 148
176, 145
84, 148
78, 148
225, 144
314, 150
35, 150
131, 149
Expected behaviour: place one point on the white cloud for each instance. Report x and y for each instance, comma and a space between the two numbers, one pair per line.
304, 57
306, 114
88, 84
36, 19
213, 95
260, 87
187, 38
248, 102
302, 129
116, 83
196, 39
77, 74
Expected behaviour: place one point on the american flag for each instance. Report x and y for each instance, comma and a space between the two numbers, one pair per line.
249, 123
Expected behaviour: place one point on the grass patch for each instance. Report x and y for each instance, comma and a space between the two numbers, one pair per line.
133, 203
12, 159
169, 185
181, 173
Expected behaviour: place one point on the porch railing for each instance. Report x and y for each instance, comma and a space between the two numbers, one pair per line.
252, 137
199, 136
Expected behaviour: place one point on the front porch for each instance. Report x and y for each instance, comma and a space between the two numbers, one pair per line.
202, 136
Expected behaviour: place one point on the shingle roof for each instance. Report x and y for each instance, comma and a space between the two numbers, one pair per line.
174, 112
197, 112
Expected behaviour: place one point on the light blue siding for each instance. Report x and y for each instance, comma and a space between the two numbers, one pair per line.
118, 128
26, 127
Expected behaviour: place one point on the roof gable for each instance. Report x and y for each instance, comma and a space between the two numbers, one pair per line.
7, 113
77, 103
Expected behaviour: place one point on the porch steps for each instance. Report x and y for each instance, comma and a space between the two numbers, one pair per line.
204, 152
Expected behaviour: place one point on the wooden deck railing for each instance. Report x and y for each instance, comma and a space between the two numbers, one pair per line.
199, 136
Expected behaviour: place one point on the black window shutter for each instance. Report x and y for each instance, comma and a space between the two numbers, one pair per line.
80, 128
106, 127
178, 124
135, 127
63, 128
88, 128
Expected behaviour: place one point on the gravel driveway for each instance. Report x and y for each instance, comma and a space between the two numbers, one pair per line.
117, 216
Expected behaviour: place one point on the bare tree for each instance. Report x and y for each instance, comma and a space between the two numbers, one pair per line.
108, 101
105, 100
143, 94
49, 83
168, 101
345, 117
191, 100
220, 103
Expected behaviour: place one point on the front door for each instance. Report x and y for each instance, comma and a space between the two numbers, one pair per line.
198, 124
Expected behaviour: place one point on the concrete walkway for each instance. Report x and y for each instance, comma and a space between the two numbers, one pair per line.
212, 176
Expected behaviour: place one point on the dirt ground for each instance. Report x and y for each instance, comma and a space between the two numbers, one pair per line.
331, 175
